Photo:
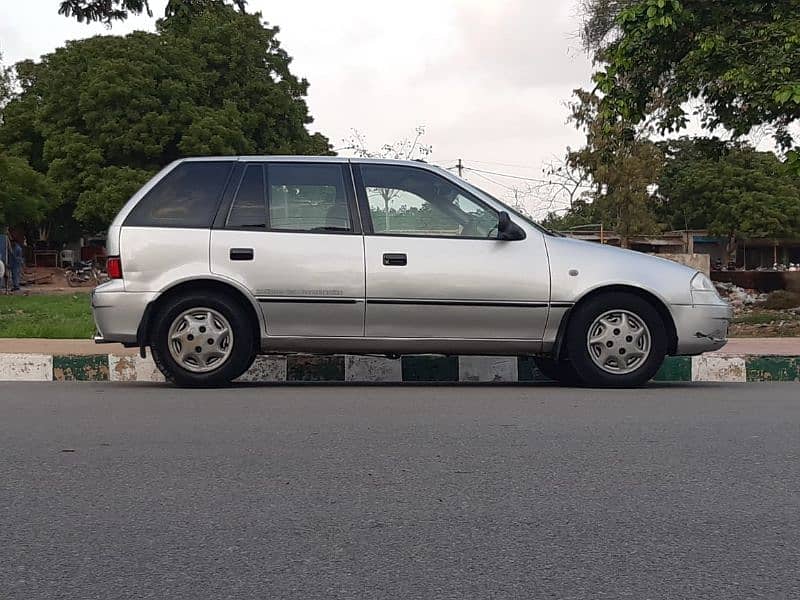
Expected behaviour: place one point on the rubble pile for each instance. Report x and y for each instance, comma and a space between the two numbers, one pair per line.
739, 297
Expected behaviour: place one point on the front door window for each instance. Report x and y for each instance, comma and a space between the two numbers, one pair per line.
408, 201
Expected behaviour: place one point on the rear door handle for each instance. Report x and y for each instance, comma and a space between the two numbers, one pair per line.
241, 254
395, 260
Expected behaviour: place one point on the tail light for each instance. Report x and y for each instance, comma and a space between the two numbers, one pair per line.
114, 267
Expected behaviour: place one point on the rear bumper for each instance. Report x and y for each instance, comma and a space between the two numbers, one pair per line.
702, 327
117, 313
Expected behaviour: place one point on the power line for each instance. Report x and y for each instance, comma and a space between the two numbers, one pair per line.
507, 175
499, 164
502, 185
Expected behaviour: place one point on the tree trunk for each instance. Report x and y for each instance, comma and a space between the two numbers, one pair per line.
730, 248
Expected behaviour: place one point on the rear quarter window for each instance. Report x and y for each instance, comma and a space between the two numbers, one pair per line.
188, 196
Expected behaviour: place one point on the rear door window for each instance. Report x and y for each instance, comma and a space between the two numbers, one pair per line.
187, 197
308, 198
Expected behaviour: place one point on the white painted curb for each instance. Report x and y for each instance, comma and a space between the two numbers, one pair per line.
26, 367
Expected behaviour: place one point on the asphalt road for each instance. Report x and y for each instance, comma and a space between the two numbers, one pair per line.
112, 491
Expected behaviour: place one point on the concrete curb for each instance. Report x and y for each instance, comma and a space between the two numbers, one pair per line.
368, 369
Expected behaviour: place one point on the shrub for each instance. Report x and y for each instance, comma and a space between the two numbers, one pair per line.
781, 300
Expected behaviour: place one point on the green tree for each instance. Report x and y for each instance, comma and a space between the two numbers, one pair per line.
737, 57
5, 86
579, 214
623, 167
730, 189
106, 11
102, 115
24, 193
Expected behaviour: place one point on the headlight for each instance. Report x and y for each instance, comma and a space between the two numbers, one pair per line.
701, 283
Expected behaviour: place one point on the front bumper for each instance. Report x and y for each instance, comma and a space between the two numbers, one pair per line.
117, 313
701, 328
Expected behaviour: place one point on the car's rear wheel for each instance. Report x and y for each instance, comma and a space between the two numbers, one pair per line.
202, 341
616, 340
560, 371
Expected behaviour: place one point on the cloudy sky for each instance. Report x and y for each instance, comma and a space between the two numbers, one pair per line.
488, 79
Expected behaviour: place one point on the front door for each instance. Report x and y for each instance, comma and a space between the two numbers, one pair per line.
434, 265
291, 236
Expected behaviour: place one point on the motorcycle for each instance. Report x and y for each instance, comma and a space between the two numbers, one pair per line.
84, 272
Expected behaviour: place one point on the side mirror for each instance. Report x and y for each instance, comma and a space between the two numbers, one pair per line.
507, 230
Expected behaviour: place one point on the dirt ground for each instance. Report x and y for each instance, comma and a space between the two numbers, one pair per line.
47, 280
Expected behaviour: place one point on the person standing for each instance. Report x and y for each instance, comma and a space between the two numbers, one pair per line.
17, 262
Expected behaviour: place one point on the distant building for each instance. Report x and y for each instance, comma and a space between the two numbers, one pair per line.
750, 254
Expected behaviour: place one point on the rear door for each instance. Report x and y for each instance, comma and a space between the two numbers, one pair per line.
290, 233
435, 268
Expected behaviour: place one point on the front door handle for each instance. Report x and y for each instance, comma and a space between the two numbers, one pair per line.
395, 260
241, 254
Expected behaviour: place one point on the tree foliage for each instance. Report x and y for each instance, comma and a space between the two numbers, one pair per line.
5, 86
600, 21
24, 193
106, 11
101, 115
103, 10
737, 57
580, 214
566, 181
622, 166
728, 188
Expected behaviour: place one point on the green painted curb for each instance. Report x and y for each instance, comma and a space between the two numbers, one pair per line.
773, 368
675, 368
80, 368
430, 368
307, 367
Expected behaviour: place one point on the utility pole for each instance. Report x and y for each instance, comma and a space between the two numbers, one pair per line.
460, 167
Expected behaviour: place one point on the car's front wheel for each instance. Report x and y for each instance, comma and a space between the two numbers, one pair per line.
202, 341
616, 340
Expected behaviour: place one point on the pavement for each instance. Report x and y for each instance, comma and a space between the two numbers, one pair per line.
65, 347
144, 491
761, 347
737, 346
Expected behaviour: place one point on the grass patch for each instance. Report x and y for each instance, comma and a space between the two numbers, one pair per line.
764, 317
60, 316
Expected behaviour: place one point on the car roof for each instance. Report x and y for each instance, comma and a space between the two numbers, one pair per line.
316, 159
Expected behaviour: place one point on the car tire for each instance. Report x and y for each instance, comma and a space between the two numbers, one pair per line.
616, 340
200, 340
560, 371
73, 279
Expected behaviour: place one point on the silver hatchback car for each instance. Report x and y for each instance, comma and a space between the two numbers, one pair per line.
216, 260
